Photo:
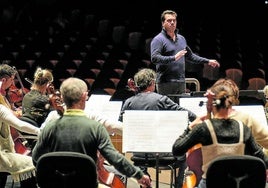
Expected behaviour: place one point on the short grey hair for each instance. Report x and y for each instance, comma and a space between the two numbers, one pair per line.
144, 78
72, 90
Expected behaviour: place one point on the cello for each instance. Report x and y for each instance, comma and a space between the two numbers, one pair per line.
193, 173
21, 144
107, 178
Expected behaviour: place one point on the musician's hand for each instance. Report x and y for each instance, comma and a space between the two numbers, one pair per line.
197, 121
145, 181
210, 95
17, 113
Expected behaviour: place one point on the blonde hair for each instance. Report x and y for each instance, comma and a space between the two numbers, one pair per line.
42, 76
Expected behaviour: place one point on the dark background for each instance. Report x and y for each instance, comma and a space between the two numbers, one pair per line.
241, 26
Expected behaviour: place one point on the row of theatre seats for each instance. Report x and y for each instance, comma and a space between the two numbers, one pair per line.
106, 52
105, 62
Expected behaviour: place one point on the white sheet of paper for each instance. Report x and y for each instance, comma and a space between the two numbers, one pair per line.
96, 102
257, 111
193, 104
101, 104
152, 131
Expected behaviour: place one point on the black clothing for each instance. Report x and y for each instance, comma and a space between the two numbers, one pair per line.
153, 101
227, 131
35, 106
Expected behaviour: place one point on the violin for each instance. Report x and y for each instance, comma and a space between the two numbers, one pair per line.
108, 178
55, 99
14, 94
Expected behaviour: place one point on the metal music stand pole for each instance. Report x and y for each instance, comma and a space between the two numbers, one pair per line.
157, 170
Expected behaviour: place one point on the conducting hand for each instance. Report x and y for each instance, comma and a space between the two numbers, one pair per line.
214, 63
180, 54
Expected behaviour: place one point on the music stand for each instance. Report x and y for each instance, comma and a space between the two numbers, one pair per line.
153, 132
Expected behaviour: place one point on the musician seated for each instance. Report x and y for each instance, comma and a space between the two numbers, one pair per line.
147, 99
74, 131
219, 134
265, 92
113, 127
36, 103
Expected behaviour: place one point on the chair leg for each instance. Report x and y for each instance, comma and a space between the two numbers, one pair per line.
175, 177
171, 177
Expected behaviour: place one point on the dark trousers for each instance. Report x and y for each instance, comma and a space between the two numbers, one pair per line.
29, 183
180, 178
3, 179
171, 88
182, 165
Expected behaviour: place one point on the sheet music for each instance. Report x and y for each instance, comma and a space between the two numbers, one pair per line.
101, 104
112, 110
193, 104
257, 111
96, 102
152, 131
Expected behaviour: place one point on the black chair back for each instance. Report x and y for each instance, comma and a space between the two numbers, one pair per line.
236, 172
66, 170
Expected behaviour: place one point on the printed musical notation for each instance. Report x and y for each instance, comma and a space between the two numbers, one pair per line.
152, 131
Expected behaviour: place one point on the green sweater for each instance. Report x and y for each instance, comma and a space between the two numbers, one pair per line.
76, 132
